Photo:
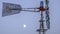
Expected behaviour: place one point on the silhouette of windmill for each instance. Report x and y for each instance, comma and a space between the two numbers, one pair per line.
9, 9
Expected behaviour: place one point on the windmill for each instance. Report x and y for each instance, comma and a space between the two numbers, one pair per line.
10, 9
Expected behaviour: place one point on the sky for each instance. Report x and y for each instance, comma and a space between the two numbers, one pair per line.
28, 22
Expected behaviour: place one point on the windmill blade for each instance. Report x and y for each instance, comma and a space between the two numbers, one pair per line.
47, 4
47, 20
6, 11
47, 14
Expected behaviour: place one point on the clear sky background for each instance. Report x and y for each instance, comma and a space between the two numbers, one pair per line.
13, 24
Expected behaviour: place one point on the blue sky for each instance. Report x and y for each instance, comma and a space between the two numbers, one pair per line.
28, 22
